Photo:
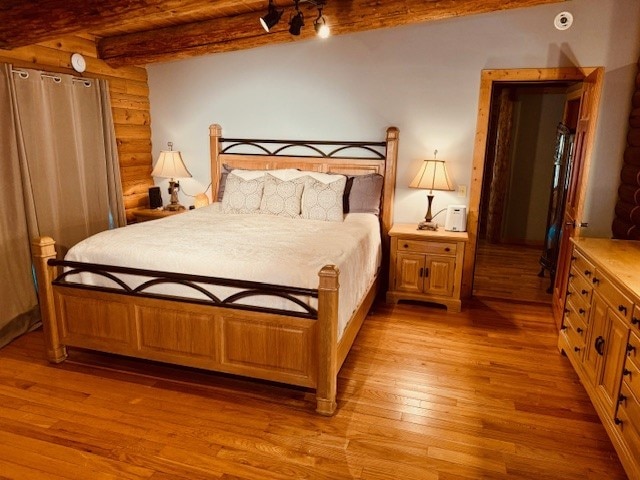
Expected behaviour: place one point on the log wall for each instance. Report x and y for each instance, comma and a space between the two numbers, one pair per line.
129, 101
626, 223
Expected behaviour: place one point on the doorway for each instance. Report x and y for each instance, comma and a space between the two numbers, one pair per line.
592, 80
523, 189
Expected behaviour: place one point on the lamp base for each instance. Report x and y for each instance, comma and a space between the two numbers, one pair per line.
428, 226
173, 207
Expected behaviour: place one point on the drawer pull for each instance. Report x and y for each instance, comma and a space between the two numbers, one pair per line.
581, 311
573, 257
599, 345
622, 308
406, 245
566, 310
588, 273
447, 249
630, 349
622, 398
617, 421
584, 292
635, 321
576, 349
595, 280
579, 330
563, 327
571, 275
626, 372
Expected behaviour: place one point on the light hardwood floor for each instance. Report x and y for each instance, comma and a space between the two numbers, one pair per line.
424, 394
510, 272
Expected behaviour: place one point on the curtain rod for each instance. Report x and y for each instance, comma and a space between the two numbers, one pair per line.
24, 75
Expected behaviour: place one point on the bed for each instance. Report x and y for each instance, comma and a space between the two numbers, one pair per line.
292, 323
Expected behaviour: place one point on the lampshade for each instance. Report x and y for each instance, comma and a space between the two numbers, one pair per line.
432, 176
170, 165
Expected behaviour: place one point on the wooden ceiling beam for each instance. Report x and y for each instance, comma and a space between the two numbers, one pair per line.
244, 31
25, 23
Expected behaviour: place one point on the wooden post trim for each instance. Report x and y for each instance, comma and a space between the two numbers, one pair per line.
43, 249
215, 132
328, 294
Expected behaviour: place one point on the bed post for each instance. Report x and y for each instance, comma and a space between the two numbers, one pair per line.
388, 194
215, 132
43, 249
327, 340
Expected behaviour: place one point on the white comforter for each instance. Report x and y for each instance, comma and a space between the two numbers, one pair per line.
263, 248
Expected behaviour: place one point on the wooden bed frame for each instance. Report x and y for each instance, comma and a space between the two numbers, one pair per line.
272, 346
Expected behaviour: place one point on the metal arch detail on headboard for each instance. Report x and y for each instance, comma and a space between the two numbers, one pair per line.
373, 150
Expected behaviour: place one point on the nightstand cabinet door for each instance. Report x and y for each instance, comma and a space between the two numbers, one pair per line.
439, 275
410, 272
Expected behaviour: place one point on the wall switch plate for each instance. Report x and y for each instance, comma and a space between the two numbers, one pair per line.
462, 190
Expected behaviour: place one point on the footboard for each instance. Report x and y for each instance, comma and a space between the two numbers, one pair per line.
296, 348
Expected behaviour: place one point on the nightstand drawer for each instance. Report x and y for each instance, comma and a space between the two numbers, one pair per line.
437, 248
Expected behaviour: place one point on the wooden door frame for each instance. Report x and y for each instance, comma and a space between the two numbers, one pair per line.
487, 79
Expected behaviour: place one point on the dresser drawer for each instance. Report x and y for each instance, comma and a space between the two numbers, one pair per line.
437, 248
576, 344
628, 420
633, 349
612, 295
577, 317
584, 266
635, 319
580, 285
631, 376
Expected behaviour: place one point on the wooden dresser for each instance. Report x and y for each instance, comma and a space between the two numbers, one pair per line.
426, 265
600, 335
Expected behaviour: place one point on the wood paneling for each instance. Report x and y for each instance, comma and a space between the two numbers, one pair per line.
129, 101
142, 31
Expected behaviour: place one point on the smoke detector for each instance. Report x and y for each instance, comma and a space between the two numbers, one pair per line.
563, 20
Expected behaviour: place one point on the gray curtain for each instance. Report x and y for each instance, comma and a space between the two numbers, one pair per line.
18, 301
63, 165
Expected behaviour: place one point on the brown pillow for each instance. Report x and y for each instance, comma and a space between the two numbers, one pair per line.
362, 194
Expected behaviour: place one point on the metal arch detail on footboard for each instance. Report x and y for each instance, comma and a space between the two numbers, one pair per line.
195, 282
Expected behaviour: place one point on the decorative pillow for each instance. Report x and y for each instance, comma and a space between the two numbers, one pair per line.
282, 197
362, 194
242, 196
323, 201
284, 174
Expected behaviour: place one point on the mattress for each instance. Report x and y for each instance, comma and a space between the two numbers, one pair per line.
263, 248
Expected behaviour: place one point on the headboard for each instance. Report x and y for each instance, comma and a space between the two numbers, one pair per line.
348, 158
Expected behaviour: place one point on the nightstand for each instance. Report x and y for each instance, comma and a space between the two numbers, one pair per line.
146, 214
426, 265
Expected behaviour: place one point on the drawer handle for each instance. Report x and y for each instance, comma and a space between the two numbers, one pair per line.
584, 292
563, 327
626, 372
573, 257
595, 280
571, 275
588, 273
581, 311
576, 349
622, 398
622, 308
630, 349
447, 249
599, 345
617, 421
566, 310
635, 321
579, 330
406, 245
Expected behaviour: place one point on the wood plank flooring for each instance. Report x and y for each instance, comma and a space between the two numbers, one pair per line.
424, 394
510, 272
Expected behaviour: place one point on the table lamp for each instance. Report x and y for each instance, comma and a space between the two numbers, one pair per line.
431, 176
170, 165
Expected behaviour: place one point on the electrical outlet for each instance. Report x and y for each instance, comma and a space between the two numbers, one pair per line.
462, 190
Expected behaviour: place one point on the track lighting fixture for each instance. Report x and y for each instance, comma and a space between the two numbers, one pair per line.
320, 24
271, 18
296, 21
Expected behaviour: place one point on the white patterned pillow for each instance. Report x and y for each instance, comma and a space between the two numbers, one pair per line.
323, 201
282, 197
242, 196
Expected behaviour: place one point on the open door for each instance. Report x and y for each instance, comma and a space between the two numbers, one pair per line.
577, 178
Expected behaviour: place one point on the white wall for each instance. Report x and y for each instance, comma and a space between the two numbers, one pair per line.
422, 78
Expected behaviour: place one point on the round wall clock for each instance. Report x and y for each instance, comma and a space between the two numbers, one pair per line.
78, 63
